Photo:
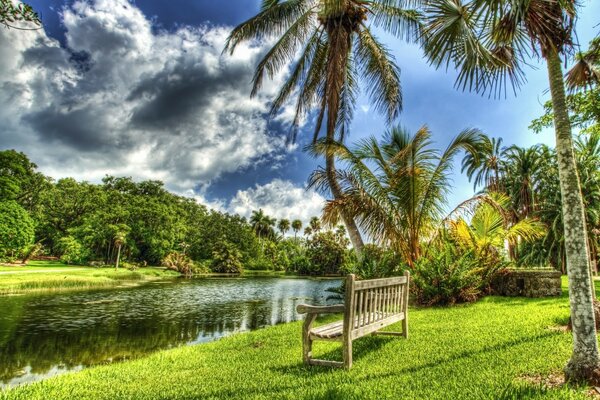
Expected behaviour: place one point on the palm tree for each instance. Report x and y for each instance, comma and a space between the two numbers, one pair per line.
485, 167
315, 224
487, 42
308, 231
262, 224
296, 226
119, 240
490, 227
283, 226
521, 168
399, 201
336, 46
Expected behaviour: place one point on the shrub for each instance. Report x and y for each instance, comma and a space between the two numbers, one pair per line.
300, 264
376, 262
72, 251
176, 261
447, 277
226, 258
327, 253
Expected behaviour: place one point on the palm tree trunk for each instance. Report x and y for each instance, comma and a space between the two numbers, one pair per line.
585, 361
336, 191
118, 257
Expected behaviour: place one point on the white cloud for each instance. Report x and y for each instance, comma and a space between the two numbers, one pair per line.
124, 99
279, 199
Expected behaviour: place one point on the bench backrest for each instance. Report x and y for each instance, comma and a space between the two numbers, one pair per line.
372, 304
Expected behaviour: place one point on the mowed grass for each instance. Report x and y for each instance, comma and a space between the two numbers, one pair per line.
52, 276
498, 348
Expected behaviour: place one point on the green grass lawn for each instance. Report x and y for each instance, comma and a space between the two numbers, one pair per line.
45, 276
497, 348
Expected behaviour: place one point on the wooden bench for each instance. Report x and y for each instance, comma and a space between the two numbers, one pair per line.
368, 306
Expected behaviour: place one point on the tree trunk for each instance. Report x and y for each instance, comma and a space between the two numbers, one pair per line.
585, 362
118, 257
336, 191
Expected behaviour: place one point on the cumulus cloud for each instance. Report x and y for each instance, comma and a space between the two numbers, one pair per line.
280, 199
124, 98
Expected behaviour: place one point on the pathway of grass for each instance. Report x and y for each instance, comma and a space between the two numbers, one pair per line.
481, 351
52, 276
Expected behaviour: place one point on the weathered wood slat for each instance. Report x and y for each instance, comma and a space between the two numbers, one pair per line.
374, 283
326, 363
375, 326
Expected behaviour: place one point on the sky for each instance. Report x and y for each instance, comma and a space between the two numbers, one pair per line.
142, 89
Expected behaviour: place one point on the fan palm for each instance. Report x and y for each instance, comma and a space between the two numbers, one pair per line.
487, 41
331, 45
394, 188
296, 226
262, 224
521, 168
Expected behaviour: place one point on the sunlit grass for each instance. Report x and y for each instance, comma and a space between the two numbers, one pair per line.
480, 351
53, 276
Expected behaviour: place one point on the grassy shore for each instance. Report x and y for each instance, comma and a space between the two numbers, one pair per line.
44, 276
498, 348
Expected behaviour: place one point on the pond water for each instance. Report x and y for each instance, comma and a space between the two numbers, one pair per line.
45, 335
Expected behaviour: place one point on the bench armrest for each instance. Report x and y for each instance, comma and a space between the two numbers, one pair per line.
308, 309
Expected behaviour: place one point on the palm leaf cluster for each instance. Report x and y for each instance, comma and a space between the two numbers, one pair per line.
331, 47
488, 41
396, 187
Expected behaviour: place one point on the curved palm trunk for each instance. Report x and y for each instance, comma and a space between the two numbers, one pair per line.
585, 361
337, 59
336, 191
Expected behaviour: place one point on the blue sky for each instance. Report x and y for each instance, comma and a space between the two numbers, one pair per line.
146, 94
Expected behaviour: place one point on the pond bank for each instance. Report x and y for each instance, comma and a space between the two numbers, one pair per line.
496, 348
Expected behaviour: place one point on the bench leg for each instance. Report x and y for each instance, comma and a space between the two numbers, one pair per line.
306, 340
347, 354
405, 327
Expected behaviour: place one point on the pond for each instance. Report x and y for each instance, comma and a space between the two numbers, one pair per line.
45, 335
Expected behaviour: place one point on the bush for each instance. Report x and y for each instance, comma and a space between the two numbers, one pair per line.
72, 251
376, 262
176, 261
327, 253
16, 229
447, 277
301, 264
226, 258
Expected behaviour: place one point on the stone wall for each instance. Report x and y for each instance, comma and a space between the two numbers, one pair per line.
527, 283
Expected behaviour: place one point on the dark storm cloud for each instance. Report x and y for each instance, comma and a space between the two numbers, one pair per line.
164, 105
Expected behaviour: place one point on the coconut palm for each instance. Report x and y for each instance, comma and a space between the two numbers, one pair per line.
485, 167
487, 41
395, 188
296, 226
331, 46
283, 226
262, 224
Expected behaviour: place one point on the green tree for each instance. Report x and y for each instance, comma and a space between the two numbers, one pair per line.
296, 226
262, 224
315, 224
283, 226
336, 46
484, 167
395, 188
16, 229
487, 41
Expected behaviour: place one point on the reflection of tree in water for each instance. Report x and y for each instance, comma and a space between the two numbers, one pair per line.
80, 330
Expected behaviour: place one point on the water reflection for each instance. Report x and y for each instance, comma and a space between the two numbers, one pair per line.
45, 335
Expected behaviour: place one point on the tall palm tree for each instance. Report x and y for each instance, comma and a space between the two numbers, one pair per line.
308, 231
487, 41
283, 226
485, 167
395, 188
296, 226
332, 46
